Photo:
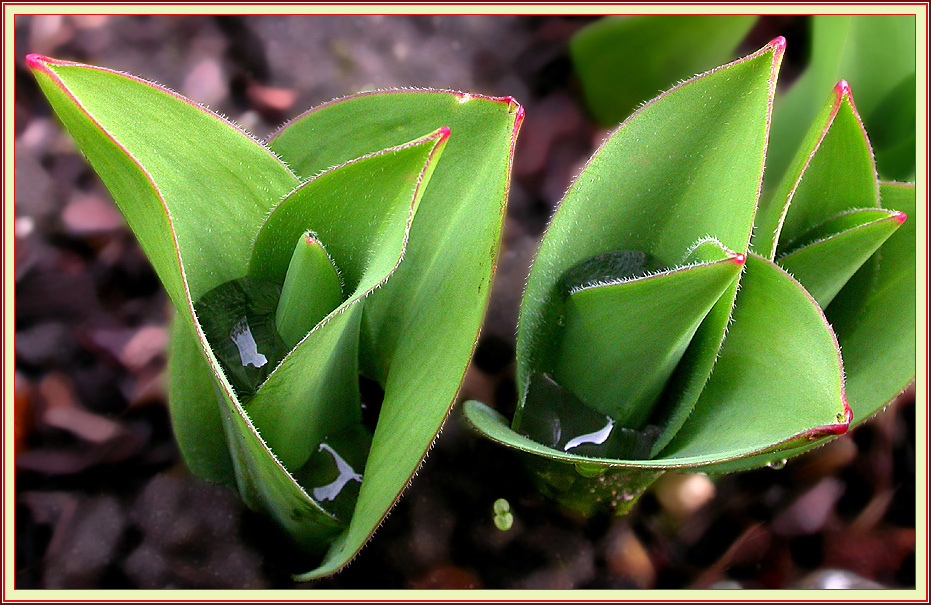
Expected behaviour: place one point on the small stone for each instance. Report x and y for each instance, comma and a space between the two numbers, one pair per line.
682, 494
145, 345
64, 412
88, 545
45, 345
206, 83
627, 558
266, 98
836, 579
22, 410
808, 514
446, 577
90, 215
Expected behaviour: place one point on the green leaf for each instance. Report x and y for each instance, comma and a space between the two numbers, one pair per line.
874, 315
801, 398
195, 411
150, 147
366, 208
833, 172
711, 133
202, 398
892, 131
432, 306
149, 157
838, 249
874, 53
621, 340
874, 319
624, 61
311, 289
778, 381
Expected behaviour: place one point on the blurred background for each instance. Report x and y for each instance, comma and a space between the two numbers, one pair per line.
102, 496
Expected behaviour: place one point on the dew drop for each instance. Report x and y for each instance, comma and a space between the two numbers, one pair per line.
328, 492
238, 319
777, 465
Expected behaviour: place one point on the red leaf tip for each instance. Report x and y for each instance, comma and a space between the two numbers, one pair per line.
901, 217
35, 61
739, 258
779, 44
842, 89
309, 239
443, 132
520, 114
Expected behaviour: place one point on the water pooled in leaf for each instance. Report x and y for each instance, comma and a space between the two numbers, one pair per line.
555, 417
333, 474
238, 319
605, 268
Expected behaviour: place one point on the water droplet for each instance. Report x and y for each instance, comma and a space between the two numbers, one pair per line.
238, 319
597, 437
555, 417
329, 491
242, 337
333, 474
777, 464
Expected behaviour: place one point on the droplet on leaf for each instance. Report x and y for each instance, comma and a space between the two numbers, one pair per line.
238, 319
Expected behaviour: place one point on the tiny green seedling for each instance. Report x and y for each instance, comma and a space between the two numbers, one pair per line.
502, 515
360, 240
674, 319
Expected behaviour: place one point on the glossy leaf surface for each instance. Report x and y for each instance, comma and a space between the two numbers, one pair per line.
838, 249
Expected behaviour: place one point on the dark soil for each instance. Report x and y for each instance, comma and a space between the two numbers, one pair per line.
102, 497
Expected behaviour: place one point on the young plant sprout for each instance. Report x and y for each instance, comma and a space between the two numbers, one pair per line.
359, 241
674, 319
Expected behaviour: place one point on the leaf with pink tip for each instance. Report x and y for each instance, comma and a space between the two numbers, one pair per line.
837, 249
780, 362
621, 340
778, 381
711, 132
874, 315
432, 306
876, 55
832, 172
874, 319
363, 211
150, 146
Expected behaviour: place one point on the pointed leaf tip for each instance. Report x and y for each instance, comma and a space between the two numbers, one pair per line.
518, 114
901, 217
779, 44
832, 430
35, 61
842, 89
739, 258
